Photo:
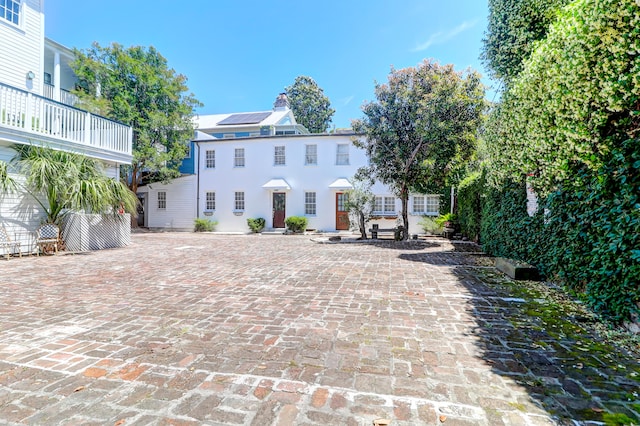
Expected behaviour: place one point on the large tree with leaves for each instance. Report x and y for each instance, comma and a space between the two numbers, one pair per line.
425, 119
309, 104
135, 86
514, 27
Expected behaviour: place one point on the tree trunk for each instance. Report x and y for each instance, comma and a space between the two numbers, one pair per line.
363, 230
404, 197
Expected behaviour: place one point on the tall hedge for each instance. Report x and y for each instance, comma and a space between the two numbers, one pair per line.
571, 121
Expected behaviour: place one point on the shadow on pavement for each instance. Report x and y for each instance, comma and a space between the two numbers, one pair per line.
547, 343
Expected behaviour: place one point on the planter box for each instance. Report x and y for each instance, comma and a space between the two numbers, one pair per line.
517, 270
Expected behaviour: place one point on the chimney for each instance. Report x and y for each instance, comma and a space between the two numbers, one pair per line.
281, 103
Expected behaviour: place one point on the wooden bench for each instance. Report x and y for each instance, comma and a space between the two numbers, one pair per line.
397, 231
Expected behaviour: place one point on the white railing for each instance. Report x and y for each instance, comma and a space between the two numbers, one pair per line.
66, 97
40, 116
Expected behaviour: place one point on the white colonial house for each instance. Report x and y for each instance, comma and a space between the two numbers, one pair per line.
36, 108
264, 164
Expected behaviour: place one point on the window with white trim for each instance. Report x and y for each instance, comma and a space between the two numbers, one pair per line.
239, 200
210, 201
342, 154
310, 203
10, 10
210, 158
238, 160
426, 204
279, 158
311, 155
162, 198
384, 205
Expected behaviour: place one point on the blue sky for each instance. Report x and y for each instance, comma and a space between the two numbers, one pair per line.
238, 55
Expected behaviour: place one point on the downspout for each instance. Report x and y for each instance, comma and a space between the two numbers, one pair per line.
198, 180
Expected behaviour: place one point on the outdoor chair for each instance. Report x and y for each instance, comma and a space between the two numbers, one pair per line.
8, 245
48, 236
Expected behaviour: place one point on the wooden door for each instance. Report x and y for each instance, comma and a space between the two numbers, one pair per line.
279, 202
342, 214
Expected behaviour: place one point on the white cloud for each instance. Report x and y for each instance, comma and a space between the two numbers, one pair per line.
444, 36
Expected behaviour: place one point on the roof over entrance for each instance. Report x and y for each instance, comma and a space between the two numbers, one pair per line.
276, 184
341, 183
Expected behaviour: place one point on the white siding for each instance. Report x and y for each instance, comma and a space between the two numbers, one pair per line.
181, 204
20, 214
22, 48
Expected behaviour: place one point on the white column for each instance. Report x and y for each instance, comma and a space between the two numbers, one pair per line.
56, 76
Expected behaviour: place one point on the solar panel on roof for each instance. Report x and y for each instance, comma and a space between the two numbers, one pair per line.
248, 118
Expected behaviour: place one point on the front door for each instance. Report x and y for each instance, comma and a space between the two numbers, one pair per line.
342, 214
279, 201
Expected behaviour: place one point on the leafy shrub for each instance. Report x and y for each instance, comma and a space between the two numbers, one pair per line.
296, 223
444, 218
429, 225
256, 225
470, 191
204, 225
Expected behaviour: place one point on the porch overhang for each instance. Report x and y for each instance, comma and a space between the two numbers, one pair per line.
277, 185
341, 184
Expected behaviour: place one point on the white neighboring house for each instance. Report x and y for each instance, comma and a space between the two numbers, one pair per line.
275, 175
35, 79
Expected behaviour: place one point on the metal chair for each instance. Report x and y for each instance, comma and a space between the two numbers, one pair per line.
8, 245
48, 235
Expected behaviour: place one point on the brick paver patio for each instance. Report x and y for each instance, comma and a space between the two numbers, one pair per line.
187, 329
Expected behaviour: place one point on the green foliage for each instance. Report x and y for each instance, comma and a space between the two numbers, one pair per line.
570, 120
470, 192
422, 124
204, 225
310, 106
429, 225
513, 28
70, 182
445, 218
135, 86
256, 225
296, 223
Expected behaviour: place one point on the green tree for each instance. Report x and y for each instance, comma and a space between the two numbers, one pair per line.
425, 120
310, 106
514, 27
61, 182
360, 204
135, 86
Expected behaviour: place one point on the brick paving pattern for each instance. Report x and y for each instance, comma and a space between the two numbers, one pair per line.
190, 329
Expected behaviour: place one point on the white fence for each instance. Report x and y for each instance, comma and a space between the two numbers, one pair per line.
84, 232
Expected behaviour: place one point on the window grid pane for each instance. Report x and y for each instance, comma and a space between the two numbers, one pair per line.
162, 200
279, 156
418, 204
10, 10
239, 197
377, 204
211, 201
342, 155
210, 159
239, 157
310, 203
311, 154
389, 205
432, 205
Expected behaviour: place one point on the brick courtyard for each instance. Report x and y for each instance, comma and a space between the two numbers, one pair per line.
189, 329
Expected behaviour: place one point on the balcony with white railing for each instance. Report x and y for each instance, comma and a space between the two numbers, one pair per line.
66, 97
30, 118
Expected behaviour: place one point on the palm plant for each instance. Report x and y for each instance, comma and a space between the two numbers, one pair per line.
69, 182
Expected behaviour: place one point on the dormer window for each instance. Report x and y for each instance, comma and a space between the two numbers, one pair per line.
10, 10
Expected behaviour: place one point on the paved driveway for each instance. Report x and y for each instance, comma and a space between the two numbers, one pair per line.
186, 329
